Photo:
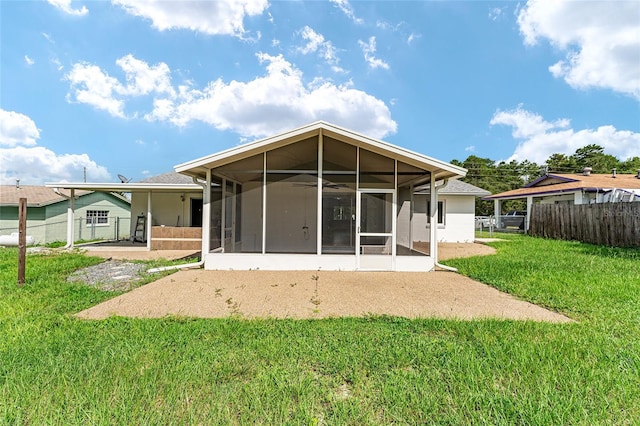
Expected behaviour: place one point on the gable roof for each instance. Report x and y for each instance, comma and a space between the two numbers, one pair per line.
170, 177
199, 166
37, 196
456, 187
554, 183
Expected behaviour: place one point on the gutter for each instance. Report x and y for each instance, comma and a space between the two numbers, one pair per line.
198, 264
435, 260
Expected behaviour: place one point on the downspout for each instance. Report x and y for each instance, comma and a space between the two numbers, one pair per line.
70, 211
198, 264
435, 260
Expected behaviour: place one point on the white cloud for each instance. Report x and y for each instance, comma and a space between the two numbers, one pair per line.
65, 6
368, 49
17, 129
275, 102
56, 62
496, 13
92, 86
347, 9
600, 40
143, 79
525, 123
314, 40
538, 138
37, 165
317, 43
34, 165
470, 148
412, 37
220, 17
28, 60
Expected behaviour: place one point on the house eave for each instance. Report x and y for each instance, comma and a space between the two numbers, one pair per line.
126, 187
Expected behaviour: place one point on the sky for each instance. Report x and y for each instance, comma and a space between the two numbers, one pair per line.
135, 87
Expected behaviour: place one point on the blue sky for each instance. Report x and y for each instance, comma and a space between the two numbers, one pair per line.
136, 87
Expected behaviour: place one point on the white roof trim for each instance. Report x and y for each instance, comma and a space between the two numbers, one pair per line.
261, 145
127, 187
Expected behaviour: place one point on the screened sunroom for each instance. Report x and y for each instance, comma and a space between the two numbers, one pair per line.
317, 197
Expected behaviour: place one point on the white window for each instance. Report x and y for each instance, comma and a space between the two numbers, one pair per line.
97, 217
441, 214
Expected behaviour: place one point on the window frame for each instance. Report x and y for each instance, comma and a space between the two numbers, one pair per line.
441, 213
97, 217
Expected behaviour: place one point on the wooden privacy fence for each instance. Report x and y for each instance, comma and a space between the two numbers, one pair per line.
610, 224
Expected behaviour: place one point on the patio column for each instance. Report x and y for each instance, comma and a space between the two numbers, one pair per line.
70, 218
527, 219
149, 219
433, 222
497, 206
319, 207
411, 211
206, 217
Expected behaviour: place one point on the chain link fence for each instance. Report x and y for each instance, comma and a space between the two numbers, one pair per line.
84, 229
513, 223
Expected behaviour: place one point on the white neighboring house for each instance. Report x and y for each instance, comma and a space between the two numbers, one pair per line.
456, 212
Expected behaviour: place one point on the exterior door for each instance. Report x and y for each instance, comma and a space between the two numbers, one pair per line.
374, 231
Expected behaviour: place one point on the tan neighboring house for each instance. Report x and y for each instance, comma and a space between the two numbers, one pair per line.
99, 215
574, 188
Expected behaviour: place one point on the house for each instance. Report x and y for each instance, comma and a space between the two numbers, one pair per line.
456, 212
100, 215
316, 197
319, 196
578, 188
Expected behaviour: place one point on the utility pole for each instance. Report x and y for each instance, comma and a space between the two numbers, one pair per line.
22, 239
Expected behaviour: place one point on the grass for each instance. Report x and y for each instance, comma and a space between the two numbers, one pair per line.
55, 369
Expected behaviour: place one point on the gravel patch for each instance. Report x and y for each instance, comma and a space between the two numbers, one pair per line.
111, 275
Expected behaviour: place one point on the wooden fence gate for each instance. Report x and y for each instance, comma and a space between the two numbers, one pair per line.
610, 224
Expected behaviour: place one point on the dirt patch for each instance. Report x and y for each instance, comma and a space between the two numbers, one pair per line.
323, 294
456, 250
313, 294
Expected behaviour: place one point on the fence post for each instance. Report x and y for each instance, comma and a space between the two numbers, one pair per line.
22, 240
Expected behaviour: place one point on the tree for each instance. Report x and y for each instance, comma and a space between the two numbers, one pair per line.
632, 165
593, 156
561, 163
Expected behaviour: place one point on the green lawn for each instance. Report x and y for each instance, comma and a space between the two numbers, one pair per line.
55, 369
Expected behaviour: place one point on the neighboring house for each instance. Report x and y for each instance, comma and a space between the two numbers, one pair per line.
585, 188
316, 197
99, 215
456, 212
